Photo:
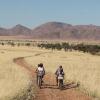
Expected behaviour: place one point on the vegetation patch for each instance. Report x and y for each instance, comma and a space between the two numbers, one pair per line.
15, 82
28, 94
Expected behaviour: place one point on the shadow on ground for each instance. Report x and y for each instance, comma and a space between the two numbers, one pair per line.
65, 87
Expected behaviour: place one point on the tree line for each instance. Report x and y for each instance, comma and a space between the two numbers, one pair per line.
13, 43
86, 48
89, 48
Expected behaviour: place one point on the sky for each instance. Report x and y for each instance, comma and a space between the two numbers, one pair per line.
32, 13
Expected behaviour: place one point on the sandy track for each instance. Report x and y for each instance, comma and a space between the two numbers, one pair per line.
49, 90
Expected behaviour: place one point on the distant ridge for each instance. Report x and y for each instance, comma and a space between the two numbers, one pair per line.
55, 30
20, 30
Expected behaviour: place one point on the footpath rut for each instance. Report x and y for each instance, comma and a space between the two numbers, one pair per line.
49, 90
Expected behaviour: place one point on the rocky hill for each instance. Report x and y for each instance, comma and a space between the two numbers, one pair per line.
55, 30
67, 31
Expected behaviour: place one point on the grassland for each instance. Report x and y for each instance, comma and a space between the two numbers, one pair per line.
14, 80
79, 67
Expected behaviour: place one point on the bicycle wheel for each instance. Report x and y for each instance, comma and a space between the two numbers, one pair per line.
39, 82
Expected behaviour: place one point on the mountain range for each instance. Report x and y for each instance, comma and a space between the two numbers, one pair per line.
55, 30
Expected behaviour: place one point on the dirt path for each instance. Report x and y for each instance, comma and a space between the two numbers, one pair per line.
49, 90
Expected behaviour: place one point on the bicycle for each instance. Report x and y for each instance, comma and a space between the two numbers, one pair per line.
60, 81
39, 79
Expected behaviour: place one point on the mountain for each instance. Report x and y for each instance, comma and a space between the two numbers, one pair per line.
55, 30
52, 30
17, 30
3, 31
20, 30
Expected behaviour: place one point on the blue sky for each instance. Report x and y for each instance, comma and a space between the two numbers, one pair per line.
32, 13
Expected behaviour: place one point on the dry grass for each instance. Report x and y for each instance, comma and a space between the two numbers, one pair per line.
78, 67
14, 80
